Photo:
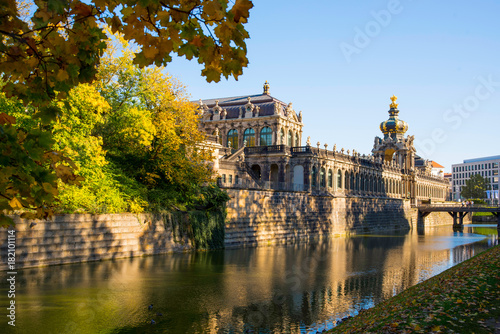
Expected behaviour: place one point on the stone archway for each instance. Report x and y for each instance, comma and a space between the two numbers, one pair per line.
257, 171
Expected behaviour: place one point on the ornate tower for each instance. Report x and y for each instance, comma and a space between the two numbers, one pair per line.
395, 148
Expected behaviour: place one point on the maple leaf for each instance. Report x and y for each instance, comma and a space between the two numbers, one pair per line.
197, 41
241, 10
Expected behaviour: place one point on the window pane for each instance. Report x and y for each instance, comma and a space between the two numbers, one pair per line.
249, 137
266, 135
232, 139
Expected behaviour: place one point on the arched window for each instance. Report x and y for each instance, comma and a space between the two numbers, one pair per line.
322, 177
346, 180
297, 141
339, 179
282, 137
313, 176
266, 136
290, 138
249, 137
330, 178
232, 139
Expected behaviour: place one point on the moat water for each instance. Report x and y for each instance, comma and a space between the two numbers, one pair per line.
300, 288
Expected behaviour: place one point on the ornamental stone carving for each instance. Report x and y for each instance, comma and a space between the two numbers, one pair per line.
257, 111
277, 108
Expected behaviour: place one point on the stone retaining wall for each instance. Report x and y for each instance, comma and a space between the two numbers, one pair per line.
254, 218
81, 238
258, 217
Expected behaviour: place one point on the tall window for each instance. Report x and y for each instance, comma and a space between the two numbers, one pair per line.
322, 177
232, 139
290, 138
330, 178
266, 136
339, 179
313, 176
249, 137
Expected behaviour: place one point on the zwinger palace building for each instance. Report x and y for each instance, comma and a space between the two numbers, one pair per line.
258, 144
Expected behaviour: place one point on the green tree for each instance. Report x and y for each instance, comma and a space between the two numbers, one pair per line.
50, 46
29, 166
151, 131
475, 187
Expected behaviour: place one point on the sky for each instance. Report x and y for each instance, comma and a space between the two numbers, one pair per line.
340, 61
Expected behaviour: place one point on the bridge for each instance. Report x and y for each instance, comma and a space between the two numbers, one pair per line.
458, 212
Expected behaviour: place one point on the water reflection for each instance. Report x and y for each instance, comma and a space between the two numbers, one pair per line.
291, 289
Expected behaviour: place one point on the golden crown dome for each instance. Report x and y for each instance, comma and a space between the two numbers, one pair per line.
393, 125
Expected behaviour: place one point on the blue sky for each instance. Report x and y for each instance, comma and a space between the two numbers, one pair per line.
340, 61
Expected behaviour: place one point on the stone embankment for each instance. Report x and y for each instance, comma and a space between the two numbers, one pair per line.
254, 218
81, 238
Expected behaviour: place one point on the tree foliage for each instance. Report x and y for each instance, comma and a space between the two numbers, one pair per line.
475, 187
60, 42
151, 130
30, 167
49, 47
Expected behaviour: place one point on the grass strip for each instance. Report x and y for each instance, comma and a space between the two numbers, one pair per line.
482, 214
462, 299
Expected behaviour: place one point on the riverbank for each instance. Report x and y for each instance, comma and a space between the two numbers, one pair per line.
463, 299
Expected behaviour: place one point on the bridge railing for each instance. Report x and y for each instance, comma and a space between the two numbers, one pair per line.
459, 205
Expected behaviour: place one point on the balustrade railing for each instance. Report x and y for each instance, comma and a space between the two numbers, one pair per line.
265, 149
301, 149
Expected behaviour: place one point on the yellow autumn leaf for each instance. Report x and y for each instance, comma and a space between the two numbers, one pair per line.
15, 204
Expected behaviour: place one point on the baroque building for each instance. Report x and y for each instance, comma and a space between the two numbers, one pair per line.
257, 141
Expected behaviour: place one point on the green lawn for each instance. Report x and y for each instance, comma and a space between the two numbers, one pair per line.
463, 299
482, 214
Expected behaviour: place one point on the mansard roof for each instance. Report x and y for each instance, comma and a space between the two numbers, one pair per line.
232, 105
242, 100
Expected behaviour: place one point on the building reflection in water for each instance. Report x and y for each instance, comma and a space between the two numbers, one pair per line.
294, 288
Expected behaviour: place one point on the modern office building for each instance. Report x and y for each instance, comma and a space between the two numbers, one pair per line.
488, 167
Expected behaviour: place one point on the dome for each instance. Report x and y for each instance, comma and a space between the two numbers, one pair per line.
393, 125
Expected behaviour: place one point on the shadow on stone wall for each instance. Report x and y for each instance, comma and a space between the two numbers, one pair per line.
82, 238
373, 215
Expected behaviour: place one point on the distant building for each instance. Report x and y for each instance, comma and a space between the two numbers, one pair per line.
449, 178
437, 169
488, 167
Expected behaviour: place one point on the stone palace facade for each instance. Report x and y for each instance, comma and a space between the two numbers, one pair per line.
258, 144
